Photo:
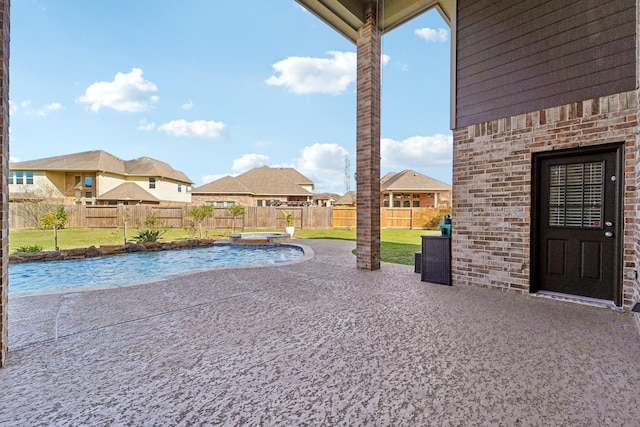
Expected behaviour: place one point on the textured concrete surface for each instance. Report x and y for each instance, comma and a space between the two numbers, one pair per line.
316, 343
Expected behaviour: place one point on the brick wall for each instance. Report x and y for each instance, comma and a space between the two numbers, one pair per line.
492, 186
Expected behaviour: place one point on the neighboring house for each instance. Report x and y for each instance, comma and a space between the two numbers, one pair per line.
546, 164
412, 189
98, 178
347, 200
325, 199
263, 186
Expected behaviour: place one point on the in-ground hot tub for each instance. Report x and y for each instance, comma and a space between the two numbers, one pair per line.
259, 238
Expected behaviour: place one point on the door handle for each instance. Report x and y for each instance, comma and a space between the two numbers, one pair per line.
608, 234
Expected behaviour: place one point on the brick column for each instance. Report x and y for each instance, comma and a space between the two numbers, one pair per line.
368, 144
4, 167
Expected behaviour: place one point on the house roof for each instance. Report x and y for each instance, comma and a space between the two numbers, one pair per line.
326, 196
101, 161
225, 185
128, 191
264, 180
349, 198
348, 16
409, 180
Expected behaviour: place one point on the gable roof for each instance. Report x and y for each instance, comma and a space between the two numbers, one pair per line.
225, 185
261, 181
128, 191
101, 161
274, 181
409, 180
349, 198
325, 196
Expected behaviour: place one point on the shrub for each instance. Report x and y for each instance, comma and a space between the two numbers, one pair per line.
29, 248
431, 217
148, 235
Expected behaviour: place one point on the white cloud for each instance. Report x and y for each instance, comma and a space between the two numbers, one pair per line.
417, 152
44, 111
249, 161
187, 106
198, 128
14, 159
146, 126
431, 35
304, 75
323, 164
127, 92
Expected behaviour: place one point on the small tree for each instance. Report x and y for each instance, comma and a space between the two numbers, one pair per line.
35, 200
54, 220
199, 214
234, 211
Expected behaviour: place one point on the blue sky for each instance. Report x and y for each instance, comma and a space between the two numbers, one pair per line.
216, 87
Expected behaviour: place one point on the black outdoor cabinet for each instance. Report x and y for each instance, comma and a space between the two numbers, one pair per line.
436, 259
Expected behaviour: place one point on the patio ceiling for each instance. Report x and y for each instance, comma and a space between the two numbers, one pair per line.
348, 16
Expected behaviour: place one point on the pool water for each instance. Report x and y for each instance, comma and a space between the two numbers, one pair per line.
123, 269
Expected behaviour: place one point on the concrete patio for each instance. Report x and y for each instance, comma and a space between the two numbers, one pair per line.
316, 343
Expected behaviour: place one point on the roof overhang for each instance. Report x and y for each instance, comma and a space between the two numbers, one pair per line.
348, 16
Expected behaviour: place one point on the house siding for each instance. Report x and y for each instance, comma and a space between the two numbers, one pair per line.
517, 57
492, 174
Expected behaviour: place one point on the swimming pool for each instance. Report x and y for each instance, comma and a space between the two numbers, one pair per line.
129, 268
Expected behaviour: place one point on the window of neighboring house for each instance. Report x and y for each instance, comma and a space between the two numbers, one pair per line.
223, 204
78, 202
112, 202
29, 175
396, 203
416, 203
208, 203
19, 177
152, 182
88, 181
77, 194
10, 177
88, 195
77, 181
179, 187
259, 203
88, 203
406, 204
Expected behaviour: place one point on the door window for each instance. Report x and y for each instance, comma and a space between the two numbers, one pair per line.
575, 195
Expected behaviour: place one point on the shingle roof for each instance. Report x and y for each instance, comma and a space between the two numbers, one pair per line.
101, 161
325, 196
225, 185
260, 181
349, 198
409, 180
128, 191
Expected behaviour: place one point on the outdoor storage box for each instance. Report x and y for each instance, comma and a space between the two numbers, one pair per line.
436, 259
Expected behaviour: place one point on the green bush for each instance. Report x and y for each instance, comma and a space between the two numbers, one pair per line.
29, 248
148, 235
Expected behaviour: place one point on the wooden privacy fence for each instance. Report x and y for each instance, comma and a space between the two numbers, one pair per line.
80, 216
255, 217
346, 217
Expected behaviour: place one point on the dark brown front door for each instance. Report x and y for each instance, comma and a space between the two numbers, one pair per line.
578, 223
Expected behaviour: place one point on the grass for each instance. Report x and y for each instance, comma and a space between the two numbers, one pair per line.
396, 245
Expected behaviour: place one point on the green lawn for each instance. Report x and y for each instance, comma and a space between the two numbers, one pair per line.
397, 245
